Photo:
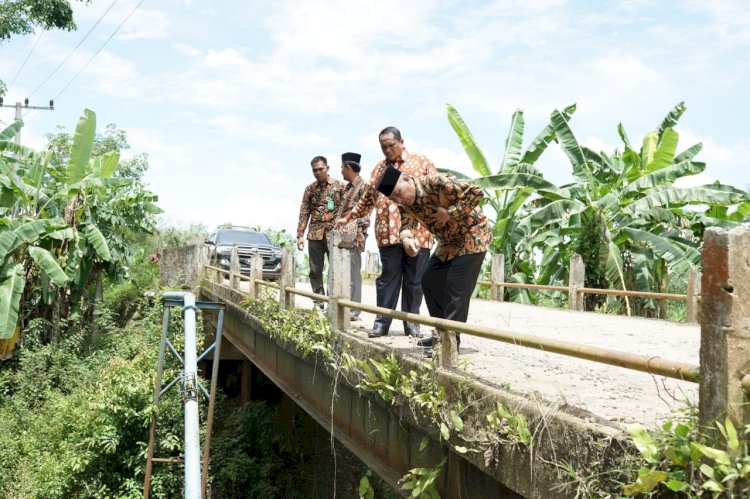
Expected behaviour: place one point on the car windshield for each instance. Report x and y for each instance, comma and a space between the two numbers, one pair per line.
242, 237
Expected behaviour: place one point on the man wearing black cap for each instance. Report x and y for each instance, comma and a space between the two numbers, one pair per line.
450, 210
401, 272
354, 233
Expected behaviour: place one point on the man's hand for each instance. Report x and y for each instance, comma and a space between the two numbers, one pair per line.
341, 222
300, 242
410, 246
441, 215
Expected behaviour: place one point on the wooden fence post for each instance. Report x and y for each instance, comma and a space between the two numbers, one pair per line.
576, 280
339, 285
286, 300
497, 293
256, 272
693, 296
234, 269
447, 355
725, 327
372, 265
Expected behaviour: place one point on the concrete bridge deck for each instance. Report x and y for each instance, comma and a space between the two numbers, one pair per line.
582, 387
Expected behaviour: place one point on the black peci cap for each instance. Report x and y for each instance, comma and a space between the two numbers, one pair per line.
388, 180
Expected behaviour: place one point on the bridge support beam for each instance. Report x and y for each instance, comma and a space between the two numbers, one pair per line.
725, 326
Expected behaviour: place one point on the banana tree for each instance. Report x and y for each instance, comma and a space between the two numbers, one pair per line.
52, 232
635, 227
509, 190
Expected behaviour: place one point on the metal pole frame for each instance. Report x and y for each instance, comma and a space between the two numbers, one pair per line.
195, 480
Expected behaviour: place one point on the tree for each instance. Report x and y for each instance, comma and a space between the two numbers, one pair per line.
633, 227
510, 190
21, 17
62, 223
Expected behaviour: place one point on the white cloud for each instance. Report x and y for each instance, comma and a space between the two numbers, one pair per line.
145, 25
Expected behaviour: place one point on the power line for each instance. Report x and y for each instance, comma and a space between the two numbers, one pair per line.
100, 49
23, 65
74, 48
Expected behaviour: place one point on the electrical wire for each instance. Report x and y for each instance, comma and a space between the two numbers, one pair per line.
100, 49
23, 65
74, 48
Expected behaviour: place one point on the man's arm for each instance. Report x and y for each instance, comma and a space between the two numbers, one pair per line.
409, 225
304, 216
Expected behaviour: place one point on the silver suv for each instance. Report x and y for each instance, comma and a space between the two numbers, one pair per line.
248, 242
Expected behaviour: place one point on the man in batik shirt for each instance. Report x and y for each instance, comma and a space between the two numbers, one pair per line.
354, 233
319, 205
400, 271
450, 209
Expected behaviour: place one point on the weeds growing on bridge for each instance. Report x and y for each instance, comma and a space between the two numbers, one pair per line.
419, 389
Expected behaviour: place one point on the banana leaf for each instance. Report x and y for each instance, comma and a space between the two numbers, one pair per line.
570, 146
545, 137
83, 143
97, 240
49, 265
673, 196
513, 143
670, 120
11, 131
478, 160
666, 175
689, 153
12, 282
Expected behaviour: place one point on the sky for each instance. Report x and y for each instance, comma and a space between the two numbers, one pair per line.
231, 100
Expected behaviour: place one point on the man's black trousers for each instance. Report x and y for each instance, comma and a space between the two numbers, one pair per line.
448, 285
400, 271
317, 251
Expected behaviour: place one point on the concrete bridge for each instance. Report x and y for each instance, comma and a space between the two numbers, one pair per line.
499, 433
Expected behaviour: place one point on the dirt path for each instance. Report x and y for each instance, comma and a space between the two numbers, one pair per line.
612, 393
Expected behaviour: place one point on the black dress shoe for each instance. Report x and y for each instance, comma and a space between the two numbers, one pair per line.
412, 330
426, 342
377, 331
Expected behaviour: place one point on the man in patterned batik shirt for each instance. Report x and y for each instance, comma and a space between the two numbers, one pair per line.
319, 205
354, 233
450, 209
400, 271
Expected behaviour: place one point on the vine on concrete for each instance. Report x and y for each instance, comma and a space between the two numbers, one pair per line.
310, 332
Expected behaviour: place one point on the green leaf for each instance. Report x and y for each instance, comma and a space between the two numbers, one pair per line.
424, 443
646, 483
12, 282
458, 423
513, 143
664, 154
97, 240
80, 152
731, 435
668, 196
478, 160
444, 431
680, 261
719, 456
570, 145
623, 136
689, 153
47, 262
519, 181
541, 141
712, 485
666, 175
11, 131
643, 442
670, 120
107, 164
677, 485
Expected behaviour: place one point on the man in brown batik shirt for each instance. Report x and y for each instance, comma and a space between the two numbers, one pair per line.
400, 271
319, 205
354, 234
450, 209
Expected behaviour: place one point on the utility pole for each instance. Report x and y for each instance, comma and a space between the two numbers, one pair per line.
25, 105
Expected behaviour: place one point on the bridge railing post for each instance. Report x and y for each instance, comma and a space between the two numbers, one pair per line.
339, 285
576, 280
256, 272
234, 269
286, 299
447, 355
725, 327
497, 271
693, 296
